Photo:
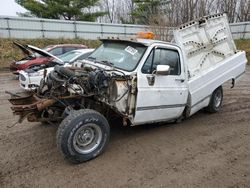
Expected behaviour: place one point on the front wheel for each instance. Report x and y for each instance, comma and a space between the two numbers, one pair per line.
83, 135
215, 101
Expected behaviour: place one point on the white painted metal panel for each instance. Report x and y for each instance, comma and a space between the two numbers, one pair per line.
29, 28
201, 88
205, 42
237, 28
211, 56
4, 33
133, 29
113, 29
61, 26
3, 23
25, 25
95, 28
240, 30
164, 100
23, 34
91, 36
58, 34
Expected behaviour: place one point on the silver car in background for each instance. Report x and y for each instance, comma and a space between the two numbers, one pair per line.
30, 78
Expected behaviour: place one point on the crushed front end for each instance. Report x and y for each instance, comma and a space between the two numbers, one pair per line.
67, 89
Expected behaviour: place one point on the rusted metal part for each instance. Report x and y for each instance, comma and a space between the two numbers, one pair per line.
21, 99
31, 106
45, 103
12, 94
32, 117
28, 105
33, 103
132, 101
36, 105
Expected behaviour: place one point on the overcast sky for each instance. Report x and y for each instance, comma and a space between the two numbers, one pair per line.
9, 8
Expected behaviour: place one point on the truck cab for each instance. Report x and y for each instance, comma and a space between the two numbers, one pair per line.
162, 94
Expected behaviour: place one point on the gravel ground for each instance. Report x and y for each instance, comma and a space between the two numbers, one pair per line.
206, 150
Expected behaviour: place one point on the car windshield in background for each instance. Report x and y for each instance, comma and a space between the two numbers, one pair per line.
124, 55
67, 57
46, 49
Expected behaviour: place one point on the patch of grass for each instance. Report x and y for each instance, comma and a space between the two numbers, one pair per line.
9, 52
244, 44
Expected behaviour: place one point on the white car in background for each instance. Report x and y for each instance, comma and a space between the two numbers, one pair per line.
30, 78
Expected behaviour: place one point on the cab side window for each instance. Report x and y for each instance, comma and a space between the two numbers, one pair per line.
161, 56
146, 69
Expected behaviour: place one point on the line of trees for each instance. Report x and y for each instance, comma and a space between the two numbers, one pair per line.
149, 12
62, 9
172, 12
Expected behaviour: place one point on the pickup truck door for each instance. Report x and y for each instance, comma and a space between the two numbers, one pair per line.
166, 97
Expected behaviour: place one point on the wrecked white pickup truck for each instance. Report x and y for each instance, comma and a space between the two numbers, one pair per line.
138, 80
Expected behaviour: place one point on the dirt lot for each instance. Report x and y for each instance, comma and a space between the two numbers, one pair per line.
206, 150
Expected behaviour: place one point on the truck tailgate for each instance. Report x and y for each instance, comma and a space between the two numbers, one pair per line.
205, 42
210, 55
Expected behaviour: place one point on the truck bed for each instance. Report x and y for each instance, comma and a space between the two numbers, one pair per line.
202, 85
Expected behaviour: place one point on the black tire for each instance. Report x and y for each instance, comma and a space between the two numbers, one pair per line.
71, 135
215, 100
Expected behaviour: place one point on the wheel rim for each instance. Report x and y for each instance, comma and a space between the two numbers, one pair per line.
87, 138
217, 99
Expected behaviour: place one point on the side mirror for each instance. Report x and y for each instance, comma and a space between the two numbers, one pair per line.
163, 70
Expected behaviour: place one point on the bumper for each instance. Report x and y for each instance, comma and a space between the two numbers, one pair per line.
28, 106
29, 82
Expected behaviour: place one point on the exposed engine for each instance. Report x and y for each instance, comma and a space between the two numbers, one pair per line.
66, 89
63, 82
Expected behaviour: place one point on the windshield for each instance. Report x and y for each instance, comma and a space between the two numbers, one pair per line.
67, 57
123, 55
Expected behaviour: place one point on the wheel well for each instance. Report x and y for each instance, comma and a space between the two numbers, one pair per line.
187, 109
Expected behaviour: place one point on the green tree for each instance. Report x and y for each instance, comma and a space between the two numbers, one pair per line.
66, 9
144, 10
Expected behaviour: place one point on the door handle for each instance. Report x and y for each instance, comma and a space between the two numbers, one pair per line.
180, 80
151, 79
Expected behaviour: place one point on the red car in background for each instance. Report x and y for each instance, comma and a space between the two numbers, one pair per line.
37, 56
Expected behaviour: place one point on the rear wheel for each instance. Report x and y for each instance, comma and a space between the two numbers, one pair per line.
215, 101
83, 135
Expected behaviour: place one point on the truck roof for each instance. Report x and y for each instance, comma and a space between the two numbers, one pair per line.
148, 42
145, 42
